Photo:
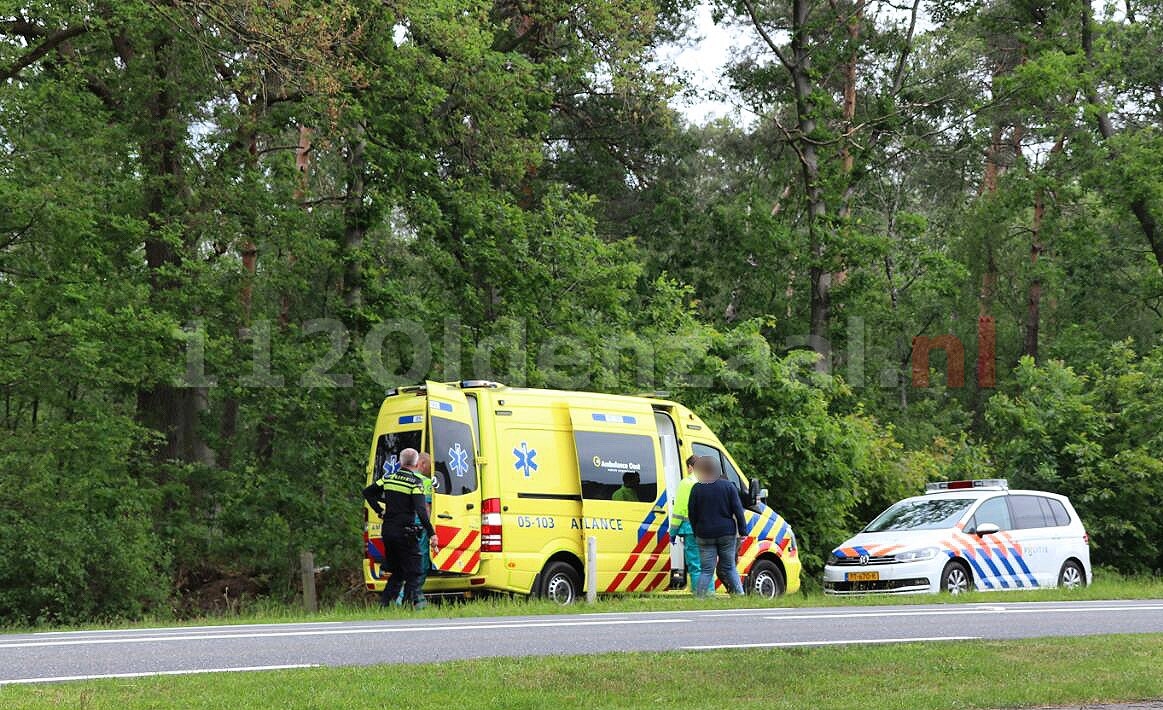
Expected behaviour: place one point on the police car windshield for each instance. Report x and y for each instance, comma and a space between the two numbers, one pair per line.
924, 514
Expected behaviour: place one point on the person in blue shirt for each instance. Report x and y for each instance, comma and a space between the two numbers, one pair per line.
716, 514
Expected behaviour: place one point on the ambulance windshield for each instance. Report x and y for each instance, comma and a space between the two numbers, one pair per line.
924, 514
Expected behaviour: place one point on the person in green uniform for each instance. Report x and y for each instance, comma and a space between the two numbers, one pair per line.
680, 525
426, 540
629, 490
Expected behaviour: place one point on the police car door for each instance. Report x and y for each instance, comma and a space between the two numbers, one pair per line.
624, 501
456, 513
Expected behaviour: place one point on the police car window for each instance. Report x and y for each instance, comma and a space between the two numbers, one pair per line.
1028, 513
454, 470
922, 514
388, 450
1061, 517
993, 511
617, 467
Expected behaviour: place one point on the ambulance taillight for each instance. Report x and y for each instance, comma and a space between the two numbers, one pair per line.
491, 525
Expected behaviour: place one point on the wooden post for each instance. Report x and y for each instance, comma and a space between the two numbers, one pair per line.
307, 569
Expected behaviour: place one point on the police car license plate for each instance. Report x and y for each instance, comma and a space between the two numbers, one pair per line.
862, 576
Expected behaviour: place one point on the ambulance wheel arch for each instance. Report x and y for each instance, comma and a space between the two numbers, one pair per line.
767, 578
560, 580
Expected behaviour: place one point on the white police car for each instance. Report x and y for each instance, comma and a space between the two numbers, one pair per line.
962, 535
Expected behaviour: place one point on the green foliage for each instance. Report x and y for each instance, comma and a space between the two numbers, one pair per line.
225, 228
1092, 437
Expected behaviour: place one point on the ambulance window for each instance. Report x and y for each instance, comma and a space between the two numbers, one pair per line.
1027, 512
453, 459
617, 467
474, 415
388, 450
993, 511
668, 438
721, 461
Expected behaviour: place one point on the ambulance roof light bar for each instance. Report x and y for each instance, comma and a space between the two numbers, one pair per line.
466, 384
997, 484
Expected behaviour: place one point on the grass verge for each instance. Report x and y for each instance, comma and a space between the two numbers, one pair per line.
961, 675
1107, 587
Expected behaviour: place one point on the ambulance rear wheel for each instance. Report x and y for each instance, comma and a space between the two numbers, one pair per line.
765, 580
560, 583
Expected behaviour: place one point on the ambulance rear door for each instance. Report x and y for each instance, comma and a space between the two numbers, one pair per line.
456, 499
624, 499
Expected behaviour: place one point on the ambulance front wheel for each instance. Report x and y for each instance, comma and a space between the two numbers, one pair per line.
560, 582
765, 580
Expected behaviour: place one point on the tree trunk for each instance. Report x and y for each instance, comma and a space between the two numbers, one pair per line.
1139, 207
820, 277
355, 220
170, 409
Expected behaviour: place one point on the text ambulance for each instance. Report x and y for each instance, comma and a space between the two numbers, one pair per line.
523, 476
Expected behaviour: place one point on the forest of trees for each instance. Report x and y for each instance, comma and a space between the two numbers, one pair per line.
227, 226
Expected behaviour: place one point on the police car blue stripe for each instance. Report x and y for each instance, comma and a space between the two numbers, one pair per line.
1010, 570
980, 573
860, 550
1022, 563
996, 573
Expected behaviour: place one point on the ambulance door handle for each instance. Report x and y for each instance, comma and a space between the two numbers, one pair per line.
445, 516
468, 506
659, 510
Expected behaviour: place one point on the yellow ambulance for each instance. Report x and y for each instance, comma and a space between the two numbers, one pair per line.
522, 477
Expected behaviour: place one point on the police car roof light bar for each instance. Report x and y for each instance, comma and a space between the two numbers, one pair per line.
977, 483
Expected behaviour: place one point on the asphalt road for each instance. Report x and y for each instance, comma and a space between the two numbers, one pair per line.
60, 656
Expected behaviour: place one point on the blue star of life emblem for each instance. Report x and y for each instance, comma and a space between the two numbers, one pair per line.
458, 460
391, 465
525, 462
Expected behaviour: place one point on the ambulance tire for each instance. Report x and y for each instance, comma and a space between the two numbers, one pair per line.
956, 578
765, 580
1071, 576
560, 582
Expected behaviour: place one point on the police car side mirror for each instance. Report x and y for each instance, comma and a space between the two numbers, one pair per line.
986, 529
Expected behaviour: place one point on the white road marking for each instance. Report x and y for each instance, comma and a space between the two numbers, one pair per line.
822, 612
959, 612
184, 629
355, 630
845, 642
145, 674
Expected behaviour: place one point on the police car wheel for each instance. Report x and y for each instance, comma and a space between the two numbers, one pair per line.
765, 580
560, 583
956, 579
1071, 576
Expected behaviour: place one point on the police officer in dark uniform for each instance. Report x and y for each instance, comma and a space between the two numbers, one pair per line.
399, 499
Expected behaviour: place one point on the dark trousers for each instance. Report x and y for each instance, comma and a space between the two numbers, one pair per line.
402, 559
